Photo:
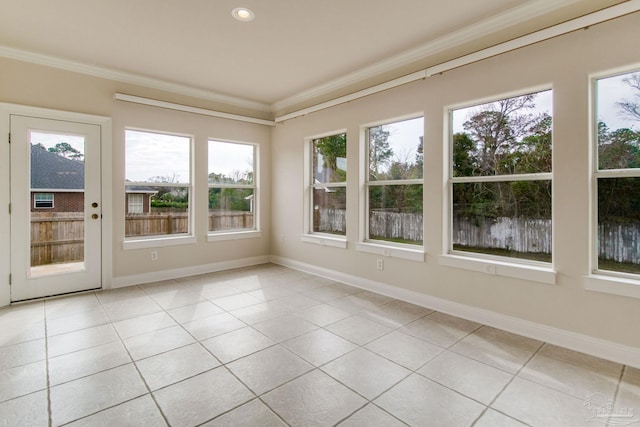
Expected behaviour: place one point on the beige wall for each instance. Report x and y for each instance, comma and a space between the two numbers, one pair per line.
39, 86
564, 64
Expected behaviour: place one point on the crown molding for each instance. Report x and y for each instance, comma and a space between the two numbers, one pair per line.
189, 109
477, 30
130, 78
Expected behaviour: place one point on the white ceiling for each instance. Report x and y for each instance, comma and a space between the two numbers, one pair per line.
294, 52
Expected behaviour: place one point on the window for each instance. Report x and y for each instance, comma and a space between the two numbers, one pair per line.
161, 163
394, 156
500, 178
328, 185
43, 200
617, 173
136, 204
232, 186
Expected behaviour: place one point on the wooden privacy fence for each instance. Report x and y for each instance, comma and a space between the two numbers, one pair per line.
149, 224
395, 225
230, 220
56, 237
617, 242
59, 236
516, 234
329, 220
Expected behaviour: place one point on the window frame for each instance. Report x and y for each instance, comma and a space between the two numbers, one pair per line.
138, 202
163, 240
237, 233
538, 271
601, 280
409, 251
35, 200
308, 235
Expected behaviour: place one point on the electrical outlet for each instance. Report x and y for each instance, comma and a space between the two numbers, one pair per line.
380, 264
154, 256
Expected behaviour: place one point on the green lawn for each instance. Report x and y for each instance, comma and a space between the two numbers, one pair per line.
621, 267
532, 256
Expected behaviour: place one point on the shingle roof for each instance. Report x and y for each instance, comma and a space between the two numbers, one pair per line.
54, 172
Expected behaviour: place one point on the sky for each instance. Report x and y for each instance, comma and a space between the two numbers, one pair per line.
404, 138
609, 91
228, 157
149, 155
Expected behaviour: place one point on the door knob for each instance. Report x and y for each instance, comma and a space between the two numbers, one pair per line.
94, 216
94, 205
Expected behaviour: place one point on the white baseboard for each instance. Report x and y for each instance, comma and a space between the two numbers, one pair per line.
619, 353
155, 276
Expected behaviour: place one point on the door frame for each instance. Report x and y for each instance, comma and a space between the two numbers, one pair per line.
6, 110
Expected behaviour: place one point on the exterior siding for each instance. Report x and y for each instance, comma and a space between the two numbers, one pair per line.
62, 202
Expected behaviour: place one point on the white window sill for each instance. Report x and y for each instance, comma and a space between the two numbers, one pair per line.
392, 251
325, 240
613, 285
158, 242
501, 268
233, 235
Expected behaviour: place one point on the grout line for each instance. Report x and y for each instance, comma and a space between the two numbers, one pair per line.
46, 354
513, 377
617, 392
136, 368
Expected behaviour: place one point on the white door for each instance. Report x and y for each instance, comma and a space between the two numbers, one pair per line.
55, 207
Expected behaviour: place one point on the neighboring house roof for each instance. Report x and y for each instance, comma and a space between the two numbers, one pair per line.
54, 172
50, 171
140, 189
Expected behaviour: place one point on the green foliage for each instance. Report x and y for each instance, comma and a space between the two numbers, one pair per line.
230, 199
619, 200
463, 155
65, 150
176, 198
331, 148
618, 149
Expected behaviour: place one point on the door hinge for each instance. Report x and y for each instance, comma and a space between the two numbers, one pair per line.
9, 279
9, 208
9, 137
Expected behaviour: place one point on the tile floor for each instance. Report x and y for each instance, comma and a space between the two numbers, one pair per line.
270, 346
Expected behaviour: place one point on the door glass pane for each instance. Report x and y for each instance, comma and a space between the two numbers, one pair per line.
57, 203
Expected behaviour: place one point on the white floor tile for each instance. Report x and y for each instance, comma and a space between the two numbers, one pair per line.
202, 398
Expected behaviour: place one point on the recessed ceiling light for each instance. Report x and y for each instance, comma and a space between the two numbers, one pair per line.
243, 14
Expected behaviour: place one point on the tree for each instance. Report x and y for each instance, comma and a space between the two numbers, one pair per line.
503, 138
332, 148
464, 155
619, 149
65, 150
379, 150
495, 129
631, 107
618, 198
